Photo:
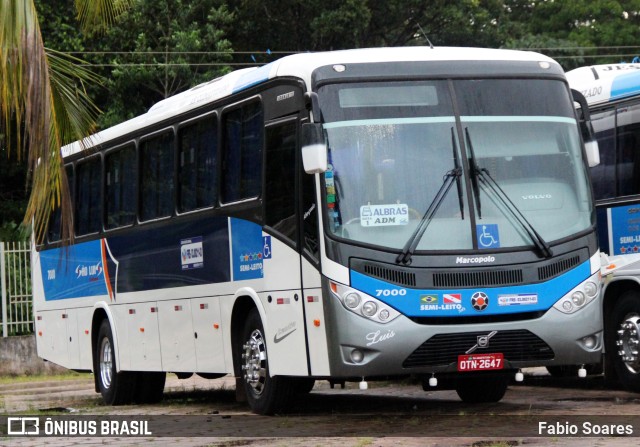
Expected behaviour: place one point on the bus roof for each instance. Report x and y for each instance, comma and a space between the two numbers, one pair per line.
299, 65
602, 84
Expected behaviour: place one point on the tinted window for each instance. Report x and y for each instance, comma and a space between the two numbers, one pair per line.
197, 169
242, 156
88, 199
603, 176
156, 177
120, 181
628, 140
279, 198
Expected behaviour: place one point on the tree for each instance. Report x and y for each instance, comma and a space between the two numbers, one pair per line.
160, 48
578, 32
43, 101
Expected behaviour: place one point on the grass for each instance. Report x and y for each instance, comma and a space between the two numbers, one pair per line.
71, 375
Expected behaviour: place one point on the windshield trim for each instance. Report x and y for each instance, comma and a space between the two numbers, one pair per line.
388, 121
517, 119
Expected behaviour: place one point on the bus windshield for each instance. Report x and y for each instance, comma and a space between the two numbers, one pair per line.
392, 146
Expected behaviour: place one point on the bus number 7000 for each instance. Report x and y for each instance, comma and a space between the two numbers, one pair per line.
391, 292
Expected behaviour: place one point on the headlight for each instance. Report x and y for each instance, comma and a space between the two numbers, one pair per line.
352, 300
579, 297
362, 304
369, 308
590, 288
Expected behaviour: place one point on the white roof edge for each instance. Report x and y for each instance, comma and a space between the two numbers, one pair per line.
604, 83
300, 65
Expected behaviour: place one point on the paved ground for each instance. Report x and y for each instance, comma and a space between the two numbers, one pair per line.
198, 412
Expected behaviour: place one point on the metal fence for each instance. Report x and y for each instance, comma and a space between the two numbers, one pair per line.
15, 282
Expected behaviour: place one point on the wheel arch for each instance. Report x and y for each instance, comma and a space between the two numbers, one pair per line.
246, 300
615, 289
101, 312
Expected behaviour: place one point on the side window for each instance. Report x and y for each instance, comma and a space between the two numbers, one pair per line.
242, 153
156, 176
88, 201
198, 143
54, 232
120, 181
603, 175
628, 140
280, 179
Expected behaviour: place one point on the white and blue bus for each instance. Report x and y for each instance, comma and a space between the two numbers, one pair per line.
613, 96
345, 216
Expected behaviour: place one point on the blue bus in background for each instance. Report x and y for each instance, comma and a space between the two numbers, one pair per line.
613, 96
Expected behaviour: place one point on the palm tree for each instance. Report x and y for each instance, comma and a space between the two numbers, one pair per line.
43, 103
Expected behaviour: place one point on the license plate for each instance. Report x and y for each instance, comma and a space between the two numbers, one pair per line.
480, 362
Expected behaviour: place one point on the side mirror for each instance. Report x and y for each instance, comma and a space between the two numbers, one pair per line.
593, 153
314, 148
584, 120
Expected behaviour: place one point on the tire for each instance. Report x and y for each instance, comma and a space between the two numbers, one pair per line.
622, 335
265, 394
482, 389
149, 388
116, 387
303, 385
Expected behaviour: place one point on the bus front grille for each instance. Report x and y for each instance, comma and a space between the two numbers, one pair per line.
443, 349
480, 278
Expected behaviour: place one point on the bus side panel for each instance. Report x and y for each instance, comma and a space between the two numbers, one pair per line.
138, 337
284, 328
209, 341
73, 346
85, 354
51, 327
177, 336
316, 321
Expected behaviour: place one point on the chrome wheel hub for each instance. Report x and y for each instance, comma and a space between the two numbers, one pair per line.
106, 362
254, 362
628, 342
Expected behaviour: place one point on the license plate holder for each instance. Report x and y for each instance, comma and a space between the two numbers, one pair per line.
480, 362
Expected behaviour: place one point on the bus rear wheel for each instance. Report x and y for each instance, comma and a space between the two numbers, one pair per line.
265, 394
115, 387
149, 388
481, 389
623, 340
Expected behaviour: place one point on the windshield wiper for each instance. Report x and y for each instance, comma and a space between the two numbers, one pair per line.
474, 171
405, 256
482, 175
456, 164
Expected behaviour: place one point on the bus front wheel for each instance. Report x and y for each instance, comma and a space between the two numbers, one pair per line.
265, 394
623, 339
116, 387
481, 389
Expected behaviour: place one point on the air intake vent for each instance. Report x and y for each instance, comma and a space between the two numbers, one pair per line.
391, 275
443, 349
557, 268
484, 278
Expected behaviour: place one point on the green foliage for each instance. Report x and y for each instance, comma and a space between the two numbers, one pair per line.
167, 47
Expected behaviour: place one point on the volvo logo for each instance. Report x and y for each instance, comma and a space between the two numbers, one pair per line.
537, 196
482, 342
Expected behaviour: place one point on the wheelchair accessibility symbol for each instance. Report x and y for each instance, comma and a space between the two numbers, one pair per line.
488, 236
266, 247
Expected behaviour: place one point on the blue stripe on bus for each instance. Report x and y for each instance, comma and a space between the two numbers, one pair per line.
145, 259
252, 78
73, 272
442, 303
625, 85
